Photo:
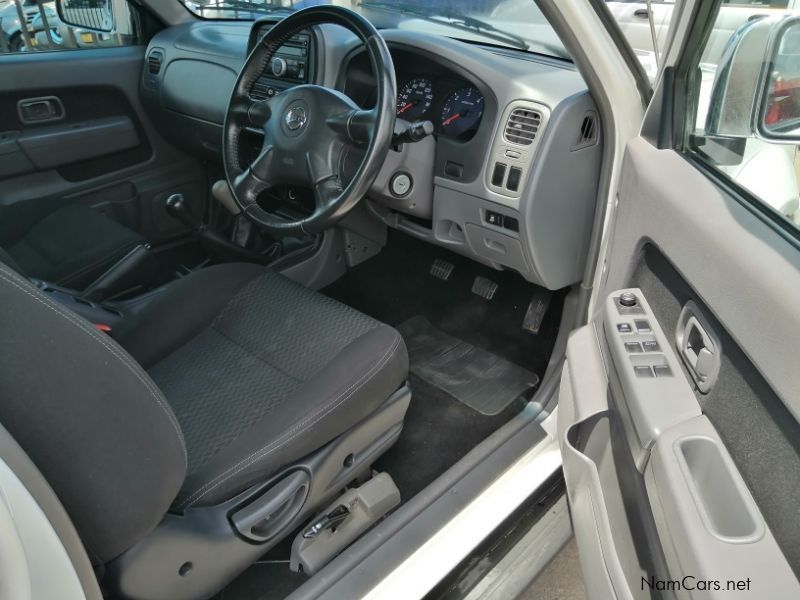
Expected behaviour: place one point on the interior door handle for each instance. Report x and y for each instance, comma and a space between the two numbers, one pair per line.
40, 110
699, 347
642, 13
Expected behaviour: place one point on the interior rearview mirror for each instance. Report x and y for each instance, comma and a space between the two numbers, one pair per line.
95, 15
779, 111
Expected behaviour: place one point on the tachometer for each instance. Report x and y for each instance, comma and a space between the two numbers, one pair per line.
414, 99
461, 112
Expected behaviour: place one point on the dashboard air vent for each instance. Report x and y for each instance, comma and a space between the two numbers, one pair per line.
522, 126
588, 129
154, 60
588, 133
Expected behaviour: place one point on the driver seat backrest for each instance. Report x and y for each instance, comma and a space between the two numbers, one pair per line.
90, 418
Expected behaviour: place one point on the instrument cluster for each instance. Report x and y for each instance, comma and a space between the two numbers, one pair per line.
455, 108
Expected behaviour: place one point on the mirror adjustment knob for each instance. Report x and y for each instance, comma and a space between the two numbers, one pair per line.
627, 299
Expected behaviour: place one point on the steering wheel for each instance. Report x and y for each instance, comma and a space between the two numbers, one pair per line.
310, 131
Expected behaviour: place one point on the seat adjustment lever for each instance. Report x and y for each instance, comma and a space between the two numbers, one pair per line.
328, 521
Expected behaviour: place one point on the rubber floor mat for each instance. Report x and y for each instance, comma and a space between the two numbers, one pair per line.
483, 381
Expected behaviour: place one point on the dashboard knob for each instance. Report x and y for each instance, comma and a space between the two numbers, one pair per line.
278, 66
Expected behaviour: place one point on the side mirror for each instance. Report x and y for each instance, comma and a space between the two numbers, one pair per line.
779, 108
94, 15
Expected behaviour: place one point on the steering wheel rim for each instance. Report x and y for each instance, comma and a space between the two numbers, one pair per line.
309, 130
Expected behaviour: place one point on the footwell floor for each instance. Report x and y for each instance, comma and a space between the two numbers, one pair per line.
396, 287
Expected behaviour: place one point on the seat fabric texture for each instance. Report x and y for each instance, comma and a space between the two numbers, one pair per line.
70, 246
254, 372
260, 372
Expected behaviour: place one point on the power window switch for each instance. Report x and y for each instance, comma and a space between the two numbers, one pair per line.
651, 346
633, 347
662, 371
643, 371
643, 326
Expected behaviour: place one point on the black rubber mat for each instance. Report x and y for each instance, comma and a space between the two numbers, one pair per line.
483, 381
439, 431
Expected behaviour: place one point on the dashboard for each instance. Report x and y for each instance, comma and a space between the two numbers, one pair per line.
508, 178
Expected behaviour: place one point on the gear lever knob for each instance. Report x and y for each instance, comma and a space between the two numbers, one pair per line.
178, 209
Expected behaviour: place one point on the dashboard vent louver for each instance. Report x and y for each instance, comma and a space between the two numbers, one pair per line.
154, 60
588, 129
587, 136
522, 126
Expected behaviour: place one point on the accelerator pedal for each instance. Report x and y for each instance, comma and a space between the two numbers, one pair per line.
441, 269
536, 311
485, 288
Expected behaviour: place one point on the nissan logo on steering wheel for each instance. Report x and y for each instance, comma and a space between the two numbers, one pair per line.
296, 118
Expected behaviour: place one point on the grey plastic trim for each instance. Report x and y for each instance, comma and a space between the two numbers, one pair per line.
583, 395
707, 519
691, 318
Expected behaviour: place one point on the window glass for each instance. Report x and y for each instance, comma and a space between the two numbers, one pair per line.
645, 27
746, 108
34, 26
515, 24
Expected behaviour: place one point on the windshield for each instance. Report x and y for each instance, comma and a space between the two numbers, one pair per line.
511, 23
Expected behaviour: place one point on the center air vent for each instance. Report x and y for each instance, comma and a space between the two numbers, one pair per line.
522, 126
154, 60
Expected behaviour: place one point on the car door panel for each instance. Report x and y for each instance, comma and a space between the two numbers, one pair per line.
101, 150
711, 492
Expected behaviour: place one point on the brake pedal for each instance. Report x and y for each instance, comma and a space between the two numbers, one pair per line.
485, 288
441, 269
536, 311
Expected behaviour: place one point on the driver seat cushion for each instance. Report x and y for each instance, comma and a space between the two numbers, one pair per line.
72, 246
262, 373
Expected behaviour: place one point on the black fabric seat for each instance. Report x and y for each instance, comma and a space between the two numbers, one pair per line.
234, 373
261, 359
66, 244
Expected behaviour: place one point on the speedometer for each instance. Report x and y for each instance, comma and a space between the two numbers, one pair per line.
462, 112
414, 99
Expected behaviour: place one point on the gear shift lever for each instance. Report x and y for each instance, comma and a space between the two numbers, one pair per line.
178, 209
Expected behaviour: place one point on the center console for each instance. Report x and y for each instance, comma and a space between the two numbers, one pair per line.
292, 64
